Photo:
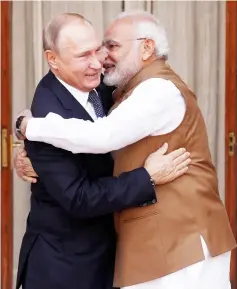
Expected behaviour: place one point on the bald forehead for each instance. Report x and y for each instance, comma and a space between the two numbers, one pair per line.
121, 28
76, 29
76, 32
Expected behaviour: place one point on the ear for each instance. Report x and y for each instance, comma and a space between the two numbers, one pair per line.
148, 49
51, 58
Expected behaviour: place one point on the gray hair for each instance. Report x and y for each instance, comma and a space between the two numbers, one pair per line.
52, 30
147, 26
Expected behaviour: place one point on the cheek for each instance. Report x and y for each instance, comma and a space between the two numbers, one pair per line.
60, 65
117, 57
78, 68
65, 68
113, 56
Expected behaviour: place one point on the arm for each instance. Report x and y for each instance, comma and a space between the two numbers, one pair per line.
142, 114
163, 168
64, 176
65, 179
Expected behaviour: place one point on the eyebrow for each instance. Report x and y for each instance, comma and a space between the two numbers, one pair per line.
109, 41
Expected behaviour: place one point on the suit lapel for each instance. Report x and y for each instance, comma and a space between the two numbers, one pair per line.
75, 109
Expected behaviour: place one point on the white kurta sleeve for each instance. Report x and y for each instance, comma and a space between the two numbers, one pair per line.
140, 115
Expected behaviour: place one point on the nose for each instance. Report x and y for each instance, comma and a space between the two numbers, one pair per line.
108, 56
95, 63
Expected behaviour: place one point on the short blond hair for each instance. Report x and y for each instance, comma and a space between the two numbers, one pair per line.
52, 30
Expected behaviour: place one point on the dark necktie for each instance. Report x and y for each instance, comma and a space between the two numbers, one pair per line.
95, 100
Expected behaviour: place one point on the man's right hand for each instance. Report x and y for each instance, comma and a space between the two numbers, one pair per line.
23, 166
166, 168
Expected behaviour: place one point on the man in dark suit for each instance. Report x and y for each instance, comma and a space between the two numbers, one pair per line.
70, 241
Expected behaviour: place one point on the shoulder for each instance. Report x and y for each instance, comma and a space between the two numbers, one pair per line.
157, 85
159, 95
45, 100
159, 90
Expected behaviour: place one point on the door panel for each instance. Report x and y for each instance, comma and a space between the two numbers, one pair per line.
231, 124
6, 175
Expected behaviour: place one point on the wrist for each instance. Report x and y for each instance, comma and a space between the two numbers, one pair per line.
153, 198
23, 126
20, 127
149, 171
152, 180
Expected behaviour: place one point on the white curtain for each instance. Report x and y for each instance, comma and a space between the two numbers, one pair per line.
196, 33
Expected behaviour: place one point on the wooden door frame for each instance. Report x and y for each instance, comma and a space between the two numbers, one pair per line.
6, 173
231, 124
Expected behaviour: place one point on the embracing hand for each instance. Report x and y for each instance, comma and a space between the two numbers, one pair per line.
164, 168
23, 166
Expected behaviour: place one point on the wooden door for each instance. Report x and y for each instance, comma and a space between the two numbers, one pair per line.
231, 125
6, 173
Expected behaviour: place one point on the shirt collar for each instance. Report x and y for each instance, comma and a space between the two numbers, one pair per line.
80, 96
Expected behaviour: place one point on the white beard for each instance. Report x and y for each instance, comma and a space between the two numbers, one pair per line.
124, 70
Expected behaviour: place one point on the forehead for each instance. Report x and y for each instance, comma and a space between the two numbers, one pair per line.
78, 36
120, 29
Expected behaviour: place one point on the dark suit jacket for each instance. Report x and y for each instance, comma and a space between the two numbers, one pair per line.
70, 241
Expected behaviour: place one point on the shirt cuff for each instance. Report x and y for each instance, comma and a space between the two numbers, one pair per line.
152, 198
33, 129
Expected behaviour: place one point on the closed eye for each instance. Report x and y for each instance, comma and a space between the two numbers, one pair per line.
83, 54
111, 45
99, 49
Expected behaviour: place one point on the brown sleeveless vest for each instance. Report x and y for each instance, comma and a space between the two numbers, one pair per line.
159, 239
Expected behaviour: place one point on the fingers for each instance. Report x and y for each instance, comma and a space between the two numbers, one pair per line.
23, 166
27, 174
27, 168
162, 150
177, 153
177, 161
20, 154
183, 164
180, 173
20, 150
23, 154
30, 173
29, 179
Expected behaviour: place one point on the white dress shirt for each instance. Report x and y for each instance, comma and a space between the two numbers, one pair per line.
155, 107
81, 97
